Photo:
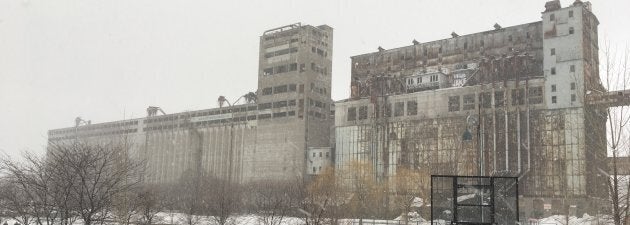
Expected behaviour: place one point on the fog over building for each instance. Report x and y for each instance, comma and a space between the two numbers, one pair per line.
520, 94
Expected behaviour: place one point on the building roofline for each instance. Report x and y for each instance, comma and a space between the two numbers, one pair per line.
439, 40
159, 116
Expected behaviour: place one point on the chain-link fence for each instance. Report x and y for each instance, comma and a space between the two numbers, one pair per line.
474, 200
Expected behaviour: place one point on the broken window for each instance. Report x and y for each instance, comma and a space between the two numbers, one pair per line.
535, 95
293, 67
352, 114
412, 108
399, 109
281, 69
264, 106
363, 112
279, 104
469, 102
268, 71
282, 52
499, 99
264, 116
279, 114
320, 52
266, 91
319, 104
387, 110
518, 96
485, 99
280, 89
453, 103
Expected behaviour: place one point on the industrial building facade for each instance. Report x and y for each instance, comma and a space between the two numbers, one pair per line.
266, 138
508, 102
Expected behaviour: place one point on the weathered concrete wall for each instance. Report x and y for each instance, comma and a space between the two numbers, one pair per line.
547, 148
449, 55
528, 82
256, 141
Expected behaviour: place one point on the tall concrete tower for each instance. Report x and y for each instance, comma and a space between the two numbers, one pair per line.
294, 103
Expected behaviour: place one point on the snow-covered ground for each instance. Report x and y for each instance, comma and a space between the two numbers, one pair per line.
584, 220
414, 219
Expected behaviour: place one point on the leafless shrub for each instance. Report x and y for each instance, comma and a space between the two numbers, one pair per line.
273, 201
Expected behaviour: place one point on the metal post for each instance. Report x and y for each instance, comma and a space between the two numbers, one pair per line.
454, 199
431, 200
479, 137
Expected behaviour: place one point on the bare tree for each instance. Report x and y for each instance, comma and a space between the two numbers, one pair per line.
186, 196
410, 185
15, 204
616, 74
273, 200
149, 204
101, 172
367, 193
323, 199
222, 199
30, 189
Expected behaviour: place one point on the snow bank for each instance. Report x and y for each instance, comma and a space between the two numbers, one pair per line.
584, 220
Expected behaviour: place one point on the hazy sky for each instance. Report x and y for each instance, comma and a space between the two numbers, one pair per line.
108, 60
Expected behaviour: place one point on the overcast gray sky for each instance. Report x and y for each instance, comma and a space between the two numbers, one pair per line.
108, 60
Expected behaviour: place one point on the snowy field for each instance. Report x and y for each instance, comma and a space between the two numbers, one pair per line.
181, 219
